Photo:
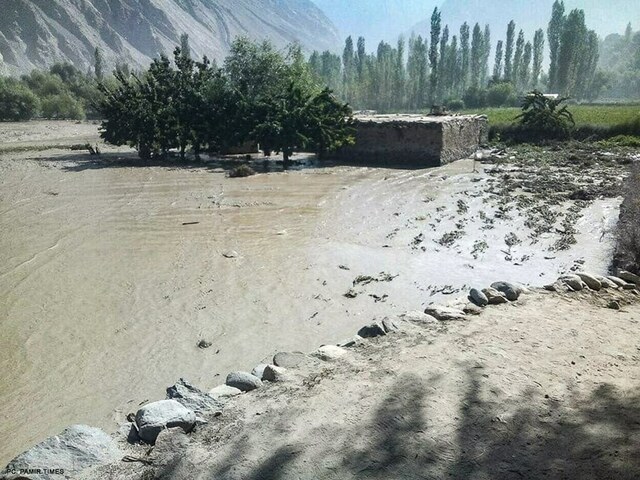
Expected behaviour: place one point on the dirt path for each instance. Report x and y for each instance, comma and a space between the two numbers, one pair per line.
547, 387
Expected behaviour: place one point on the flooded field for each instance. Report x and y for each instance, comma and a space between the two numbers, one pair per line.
112, 270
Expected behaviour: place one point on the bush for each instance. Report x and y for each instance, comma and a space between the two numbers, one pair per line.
454, 104
500, 94
17, 102
241, 171
62, 107
475, 97
544, 118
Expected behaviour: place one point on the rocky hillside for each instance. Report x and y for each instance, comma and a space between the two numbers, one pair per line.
37, 33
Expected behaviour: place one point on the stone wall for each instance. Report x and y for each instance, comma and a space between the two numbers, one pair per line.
415, 140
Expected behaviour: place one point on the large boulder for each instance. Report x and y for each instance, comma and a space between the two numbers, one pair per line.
372, 330
329, 352
592, 282
574, 282
445, 313
274, 374
417, 317
155, 417
243, 381
629, 277
223, 393
478, 298
494, 296
511, 291
290, 359
605, 282
192, 397
617, 280
258, 370
74, 449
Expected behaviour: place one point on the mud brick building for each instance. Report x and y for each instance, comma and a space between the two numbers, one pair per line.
415, 140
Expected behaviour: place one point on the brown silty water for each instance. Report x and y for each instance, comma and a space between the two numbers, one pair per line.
111, 271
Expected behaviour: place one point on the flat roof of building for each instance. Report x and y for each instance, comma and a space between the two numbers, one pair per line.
412, 118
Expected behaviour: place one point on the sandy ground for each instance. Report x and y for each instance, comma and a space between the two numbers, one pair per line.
112, 269
547, 387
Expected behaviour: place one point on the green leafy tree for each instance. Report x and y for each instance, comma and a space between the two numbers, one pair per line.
17, 101
570, 55
538, 56
508, 52
554, 34
477, 51
525, 67
464, 56
98, 64
62, 107
517, 59
433, 54
497, 63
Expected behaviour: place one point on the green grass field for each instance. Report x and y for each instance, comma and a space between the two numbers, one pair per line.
598, 115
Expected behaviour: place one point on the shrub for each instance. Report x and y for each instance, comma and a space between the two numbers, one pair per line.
500, 94
475, 97
17, 102
455, 104
62, 107
241, 171
544, 118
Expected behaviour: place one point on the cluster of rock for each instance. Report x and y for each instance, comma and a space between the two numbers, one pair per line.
497, 293
581, 281
185, 407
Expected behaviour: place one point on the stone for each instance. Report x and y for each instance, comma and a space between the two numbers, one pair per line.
155, 417
617, 280
74, 449
192, 397
478, 298
613, 304
592, 282
494, 296
357, 339
290, 359
418, 317
171, 444
372, 330
258, 370
223, 393
230, 254
573, 281
605, 282
629, 277
272, 373
444, 313
511, 291
329, 352
389, 325
243, 381
472, 309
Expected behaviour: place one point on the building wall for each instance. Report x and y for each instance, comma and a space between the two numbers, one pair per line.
414, 140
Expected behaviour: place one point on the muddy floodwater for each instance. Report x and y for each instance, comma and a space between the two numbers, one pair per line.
112, 270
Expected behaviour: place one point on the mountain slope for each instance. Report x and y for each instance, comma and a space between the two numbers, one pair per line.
37, 33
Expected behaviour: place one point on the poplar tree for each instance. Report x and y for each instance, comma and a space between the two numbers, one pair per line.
98, 66
525, 66
572, 45
433, 54
476, 56
538, 56
517, 59
508, 52
497, 63
464, 56
486, 52
443, 72
554, 34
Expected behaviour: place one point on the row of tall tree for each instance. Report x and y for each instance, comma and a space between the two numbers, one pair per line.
258, 95
448, 66
619, 74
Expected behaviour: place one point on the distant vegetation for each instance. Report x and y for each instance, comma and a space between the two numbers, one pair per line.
258, 95
452, 68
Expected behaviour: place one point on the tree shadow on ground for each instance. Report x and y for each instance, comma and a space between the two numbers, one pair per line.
578, 437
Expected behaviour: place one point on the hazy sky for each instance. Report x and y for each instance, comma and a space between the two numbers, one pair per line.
386, 19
